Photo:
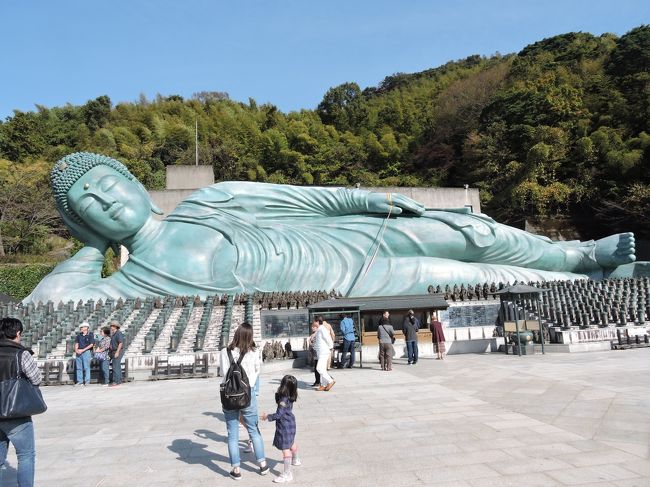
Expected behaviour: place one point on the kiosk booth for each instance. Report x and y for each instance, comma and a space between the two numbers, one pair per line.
367, 311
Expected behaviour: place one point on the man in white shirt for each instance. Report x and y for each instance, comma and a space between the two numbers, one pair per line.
323, 345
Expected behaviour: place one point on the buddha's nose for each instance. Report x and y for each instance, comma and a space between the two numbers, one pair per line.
105, 200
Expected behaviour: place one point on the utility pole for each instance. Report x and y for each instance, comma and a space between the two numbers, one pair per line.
196, 140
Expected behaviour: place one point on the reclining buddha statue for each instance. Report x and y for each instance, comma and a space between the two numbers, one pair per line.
235, 237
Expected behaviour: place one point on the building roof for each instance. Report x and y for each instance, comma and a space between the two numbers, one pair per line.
375, 303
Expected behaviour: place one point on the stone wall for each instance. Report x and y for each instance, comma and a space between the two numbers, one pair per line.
189, 177
183, 180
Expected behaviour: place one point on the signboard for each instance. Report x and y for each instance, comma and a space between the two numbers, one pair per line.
280, 323
472, 315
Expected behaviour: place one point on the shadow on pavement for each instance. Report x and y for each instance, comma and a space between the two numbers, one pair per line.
219, 416
194, 453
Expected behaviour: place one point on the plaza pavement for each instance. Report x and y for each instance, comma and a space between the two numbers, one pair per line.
470, 420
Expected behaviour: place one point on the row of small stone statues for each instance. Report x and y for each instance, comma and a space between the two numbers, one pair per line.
471, 291
275, 300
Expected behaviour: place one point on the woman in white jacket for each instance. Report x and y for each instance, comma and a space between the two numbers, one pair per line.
243, 344
323, 345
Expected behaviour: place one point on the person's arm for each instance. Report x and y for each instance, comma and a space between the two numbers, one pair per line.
281, 411
258, 361
224, 364
328, 338
331, 330
30, 368
349, 327
91, 344
120, 345
76, 345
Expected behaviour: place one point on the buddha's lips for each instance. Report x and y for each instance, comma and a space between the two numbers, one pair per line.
116, 210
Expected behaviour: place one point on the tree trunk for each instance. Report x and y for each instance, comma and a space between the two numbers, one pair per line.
2, 247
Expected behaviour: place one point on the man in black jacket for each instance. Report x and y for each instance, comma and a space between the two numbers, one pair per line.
410, 328
19, 431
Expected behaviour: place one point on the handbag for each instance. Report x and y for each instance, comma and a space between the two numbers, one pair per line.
101, 356
19, 398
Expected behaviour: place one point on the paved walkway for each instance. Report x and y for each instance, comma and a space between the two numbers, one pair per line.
470, 420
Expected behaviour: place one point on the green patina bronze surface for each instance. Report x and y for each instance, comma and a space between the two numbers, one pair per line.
246, 237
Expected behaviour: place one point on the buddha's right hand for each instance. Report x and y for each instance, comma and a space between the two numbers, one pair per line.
393, 203
86, 235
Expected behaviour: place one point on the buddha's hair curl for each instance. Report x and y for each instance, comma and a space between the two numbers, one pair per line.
68, 170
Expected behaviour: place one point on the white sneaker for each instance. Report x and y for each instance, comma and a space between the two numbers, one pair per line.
249, 447
283, 478
296, 462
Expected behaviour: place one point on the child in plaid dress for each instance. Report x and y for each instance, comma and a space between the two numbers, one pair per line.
285, 426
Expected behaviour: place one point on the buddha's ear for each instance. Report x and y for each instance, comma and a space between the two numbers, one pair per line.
154, 208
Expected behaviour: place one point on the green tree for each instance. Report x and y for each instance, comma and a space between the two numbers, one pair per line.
341, 106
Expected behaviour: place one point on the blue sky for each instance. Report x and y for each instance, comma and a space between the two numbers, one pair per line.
284, 52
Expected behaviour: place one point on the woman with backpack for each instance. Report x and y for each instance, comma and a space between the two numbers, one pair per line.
243, 357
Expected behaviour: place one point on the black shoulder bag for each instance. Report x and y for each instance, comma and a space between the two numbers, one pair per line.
19, 398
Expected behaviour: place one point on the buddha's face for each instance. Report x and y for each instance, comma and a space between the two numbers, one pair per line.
109, 203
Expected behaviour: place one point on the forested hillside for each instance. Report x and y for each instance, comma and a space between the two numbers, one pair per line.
560, 128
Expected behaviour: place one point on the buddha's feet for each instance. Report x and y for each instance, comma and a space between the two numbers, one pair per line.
615, 250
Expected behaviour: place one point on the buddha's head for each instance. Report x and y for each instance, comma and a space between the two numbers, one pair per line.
99, 193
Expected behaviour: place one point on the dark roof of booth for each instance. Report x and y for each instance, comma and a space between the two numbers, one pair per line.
374, 303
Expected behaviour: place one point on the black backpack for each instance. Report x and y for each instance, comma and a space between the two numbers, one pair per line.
235, 390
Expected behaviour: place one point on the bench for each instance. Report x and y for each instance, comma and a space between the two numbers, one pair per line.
63, 373
625, 340
163, 369
52, 373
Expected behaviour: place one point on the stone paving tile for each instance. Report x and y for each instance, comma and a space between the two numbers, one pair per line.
591, 475
527, 479
642, 467
630, 483
451, 423
514, 466
456, 473
469, 458
545, 450
598, 458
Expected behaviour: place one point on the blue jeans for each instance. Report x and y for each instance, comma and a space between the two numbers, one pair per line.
348, 346
82, 365
250, 420
20, 432
412, 351
116, 362
104, 365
